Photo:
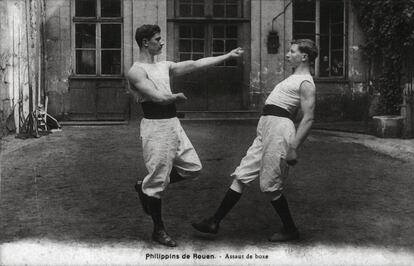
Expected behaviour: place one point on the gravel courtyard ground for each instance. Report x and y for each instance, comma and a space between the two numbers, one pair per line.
68, 198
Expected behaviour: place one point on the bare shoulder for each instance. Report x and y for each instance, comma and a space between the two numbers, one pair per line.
307, 88
170, 64
136, 73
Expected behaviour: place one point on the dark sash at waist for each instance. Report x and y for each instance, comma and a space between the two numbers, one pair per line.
270, 109
158, 111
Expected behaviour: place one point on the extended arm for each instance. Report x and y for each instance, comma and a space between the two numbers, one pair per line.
307, 103
139, 82
188, 66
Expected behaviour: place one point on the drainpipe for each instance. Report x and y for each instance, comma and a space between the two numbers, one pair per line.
284, 41
29, 73
262, 89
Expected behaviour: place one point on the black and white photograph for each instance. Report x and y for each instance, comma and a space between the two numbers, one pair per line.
207, 132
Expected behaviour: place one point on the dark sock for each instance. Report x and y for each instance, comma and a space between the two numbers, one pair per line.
282, 208
175, 176
229, 200
154, 206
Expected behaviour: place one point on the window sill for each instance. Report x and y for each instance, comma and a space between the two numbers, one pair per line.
94, 19
330, 80
207, 19
96, 77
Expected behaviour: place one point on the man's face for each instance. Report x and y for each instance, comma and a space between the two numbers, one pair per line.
155, 44
294, 56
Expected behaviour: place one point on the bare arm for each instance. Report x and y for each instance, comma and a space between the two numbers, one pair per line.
307, 104
188, 66
139, 82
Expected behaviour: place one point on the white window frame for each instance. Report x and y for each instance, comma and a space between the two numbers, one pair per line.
318, 40
98, 21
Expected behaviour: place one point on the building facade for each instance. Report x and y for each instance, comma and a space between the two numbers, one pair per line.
90, 45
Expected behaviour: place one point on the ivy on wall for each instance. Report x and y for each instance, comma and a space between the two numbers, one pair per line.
389, 29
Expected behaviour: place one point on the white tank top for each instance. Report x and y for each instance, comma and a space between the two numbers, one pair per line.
286, 94
159, 74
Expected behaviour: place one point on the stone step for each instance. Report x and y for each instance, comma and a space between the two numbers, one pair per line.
93, 123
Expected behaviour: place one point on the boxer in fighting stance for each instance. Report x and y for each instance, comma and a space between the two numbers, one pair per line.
168, 153
275, 145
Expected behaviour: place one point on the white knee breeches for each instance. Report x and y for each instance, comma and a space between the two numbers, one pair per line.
165, 145
266, 156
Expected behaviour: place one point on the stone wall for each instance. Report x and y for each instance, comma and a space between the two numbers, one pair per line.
21, 61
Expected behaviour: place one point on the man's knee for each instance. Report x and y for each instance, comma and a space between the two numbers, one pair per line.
195, 173
189, 173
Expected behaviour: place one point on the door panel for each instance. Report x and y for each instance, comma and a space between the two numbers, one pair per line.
224, 89
98, 100
112, 102
82, 100
194, 87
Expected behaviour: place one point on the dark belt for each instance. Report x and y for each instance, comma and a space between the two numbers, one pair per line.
157, 111
270, 109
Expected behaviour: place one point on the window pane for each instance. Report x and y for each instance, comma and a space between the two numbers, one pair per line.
198, 56
85, 62
337, 28
304, 10
85, 8
110, 8
111, 62
323, 65
218, 46
337, 11
85, 36
185, 10
111, 35
185, 32
304, 27
230, 45
229, 8
231, 11
218, 11
198, 11
185, 57
185, 46
198, 32
231, 32
337, 42
305, 36
337, 64
324, 22
198, 46
218, 32
191, 8
192, 41
324, 57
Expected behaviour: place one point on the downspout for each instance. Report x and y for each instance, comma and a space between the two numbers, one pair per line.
42, 57
28, 57
262, 89
284, 41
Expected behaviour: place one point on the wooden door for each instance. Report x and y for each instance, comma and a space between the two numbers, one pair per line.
98, 99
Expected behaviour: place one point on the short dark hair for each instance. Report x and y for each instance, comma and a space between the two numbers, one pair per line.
307, 46
146, 32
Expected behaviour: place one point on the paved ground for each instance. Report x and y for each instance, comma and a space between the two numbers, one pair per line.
68, 198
